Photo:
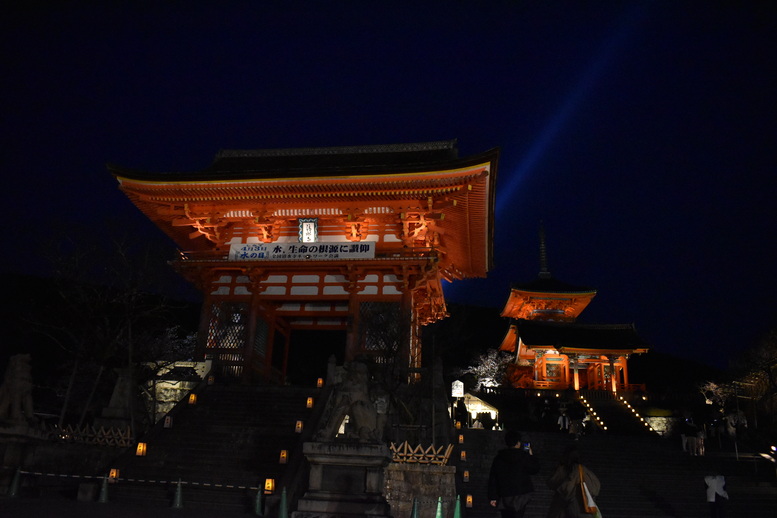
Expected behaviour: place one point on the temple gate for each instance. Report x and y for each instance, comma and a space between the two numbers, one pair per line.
349, 239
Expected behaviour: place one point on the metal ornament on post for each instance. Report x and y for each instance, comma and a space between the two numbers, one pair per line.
178, 499
457, 509
13, 490
414, 510
283, 511
103, 498
258, 510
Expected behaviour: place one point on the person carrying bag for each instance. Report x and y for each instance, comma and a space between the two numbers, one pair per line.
574, 488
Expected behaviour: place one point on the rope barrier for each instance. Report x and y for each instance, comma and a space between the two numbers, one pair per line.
140, 480
444, 501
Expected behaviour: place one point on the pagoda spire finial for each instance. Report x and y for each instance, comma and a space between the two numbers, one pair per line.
544, 273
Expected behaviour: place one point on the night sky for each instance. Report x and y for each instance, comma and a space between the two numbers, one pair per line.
641, 133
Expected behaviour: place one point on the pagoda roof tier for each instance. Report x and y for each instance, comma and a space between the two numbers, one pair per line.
551, 285
547, 298
573, 337
405, 196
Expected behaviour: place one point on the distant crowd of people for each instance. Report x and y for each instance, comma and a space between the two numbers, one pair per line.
723, 432
575, 486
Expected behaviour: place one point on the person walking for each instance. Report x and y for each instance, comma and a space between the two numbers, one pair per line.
510, 486
563, 421
716, 494
566, 481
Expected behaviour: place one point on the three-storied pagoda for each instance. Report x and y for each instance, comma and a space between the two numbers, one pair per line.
343, 238
552, 350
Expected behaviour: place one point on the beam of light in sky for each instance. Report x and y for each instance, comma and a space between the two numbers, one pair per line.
508, 184
605, 54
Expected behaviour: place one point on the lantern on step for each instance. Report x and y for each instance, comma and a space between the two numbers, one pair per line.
269, 486
309, 403
140, 451
465, 475
320, 382
463, 455
458, 425
284, 457
192, 399
298, 427
461, 438
168, 421
113, 474
469, 501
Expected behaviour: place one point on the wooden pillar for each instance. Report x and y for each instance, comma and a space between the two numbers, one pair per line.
565, 369
352, 345
287, 339
624, 363
202, 335
409, 343
248, 349
576, 375
613, 375
537, 362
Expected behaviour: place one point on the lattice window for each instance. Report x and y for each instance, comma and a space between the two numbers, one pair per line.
227, 328
381, 325
261, 334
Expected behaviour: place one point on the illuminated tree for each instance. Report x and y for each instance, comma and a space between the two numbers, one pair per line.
489, 368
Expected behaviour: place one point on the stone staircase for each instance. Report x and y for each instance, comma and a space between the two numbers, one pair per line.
642, 475
222, 448
615, 414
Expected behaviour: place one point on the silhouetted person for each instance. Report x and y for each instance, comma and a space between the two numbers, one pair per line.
487, 420
509, 483
462, 414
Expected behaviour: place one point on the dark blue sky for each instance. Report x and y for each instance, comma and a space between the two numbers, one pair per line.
642, 133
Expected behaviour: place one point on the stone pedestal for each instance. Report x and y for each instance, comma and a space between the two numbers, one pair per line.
426, 483
346, 480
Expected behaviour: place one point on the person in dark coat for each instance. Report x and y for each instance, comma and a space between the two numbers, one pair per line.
565, 482
510, 486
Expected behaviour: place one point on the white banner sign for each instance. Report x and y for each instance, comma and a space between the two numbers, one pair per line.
302, 251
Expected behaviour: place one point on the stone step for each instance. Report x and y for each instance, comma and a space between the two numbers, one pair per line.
232, 435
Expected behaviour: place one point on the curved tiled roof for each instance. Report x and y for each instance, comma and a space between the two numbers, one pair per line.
573, 335
237, 164
547, 284
236, 189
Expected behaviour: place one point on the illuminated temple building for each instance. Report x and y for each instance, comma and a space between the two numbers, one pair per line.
554, 351
354, 240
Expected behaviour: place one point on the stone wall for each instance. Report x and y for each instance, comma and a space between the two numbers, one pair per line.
425, 482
